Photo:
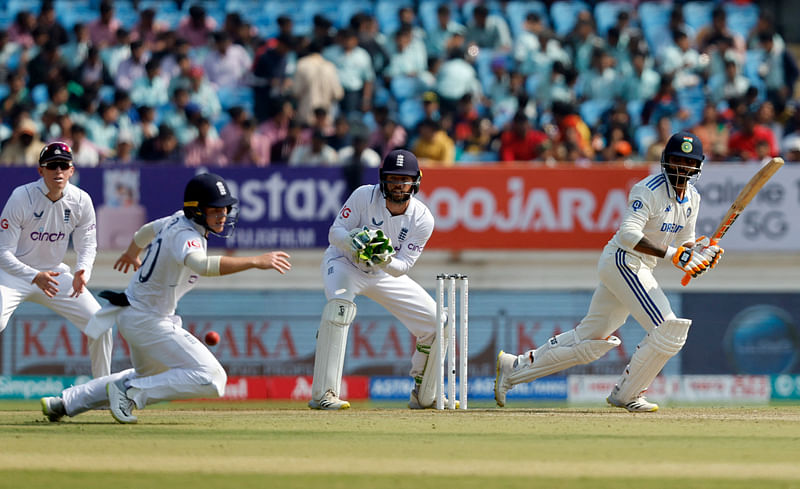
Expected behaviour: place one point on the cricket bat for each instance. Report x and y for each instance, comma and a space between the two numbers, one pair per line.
745, 196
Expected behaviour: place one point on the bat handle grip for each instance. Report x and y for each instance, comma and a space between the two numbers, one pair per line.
688, 277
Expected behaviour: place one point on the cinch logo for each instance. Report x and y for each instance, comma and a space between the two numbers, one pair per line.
45, 236
4, 224
413, 247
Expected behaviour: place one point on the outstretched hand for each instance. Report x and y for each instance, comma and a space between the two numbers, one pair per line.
125, 261
45, 281
78, 283
279, 260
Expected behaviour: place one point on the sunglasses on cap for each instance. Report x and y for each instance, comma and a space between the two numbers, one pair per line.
55, 165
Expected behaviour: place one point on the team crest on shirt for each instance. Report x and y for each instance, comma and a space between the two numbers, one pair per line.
403, 234
39, 215
66, 215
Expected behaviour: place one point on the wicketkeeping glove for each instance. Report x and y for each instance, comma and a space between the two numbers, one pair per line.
711, 252
687, 260
378, 251
360, 238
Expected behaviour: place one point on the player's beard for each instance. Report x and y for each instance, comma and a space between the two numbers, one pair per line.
399, 197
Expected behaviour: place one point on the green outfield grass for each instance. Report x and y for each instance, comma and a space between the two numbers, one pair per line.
259, 445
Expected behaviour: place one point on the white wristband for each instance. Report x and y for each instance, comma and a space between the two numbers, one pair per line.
671, 250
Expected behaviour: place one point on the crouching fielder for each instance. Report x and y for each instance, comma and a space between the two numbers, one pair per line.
374, 241
662, 211
168, 362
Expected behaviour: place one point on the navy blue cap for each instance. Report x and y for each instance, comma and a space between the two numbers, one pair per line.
400, 162
686, 144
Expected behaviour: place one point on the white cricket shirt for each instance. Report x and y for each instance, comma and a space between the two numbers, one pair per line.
35, 231
366, 206
163, 278
654, 211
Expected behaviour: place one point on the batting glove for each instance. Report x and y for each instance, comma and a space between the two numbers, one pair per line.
687, 260
711, 252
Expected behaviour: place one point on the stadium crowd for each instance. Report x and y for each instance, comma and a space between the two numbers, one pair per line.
246, 82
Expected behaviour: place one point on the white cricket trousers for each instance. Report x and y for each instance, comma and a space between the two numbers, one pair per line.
77, 310
168, 363
627, 287
401, 296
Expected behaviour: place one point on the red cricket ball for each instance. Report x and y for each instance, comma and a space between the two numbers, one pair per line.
212, 338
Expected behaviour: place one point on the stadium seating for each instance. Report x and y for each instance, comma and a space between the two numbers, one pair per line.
605, 14
741, 18
697, 14
516, 11
564, 14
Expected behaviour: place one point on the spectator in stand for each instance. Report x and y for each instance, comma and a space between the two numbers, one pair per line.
601, 81
713, 133
480, 143
405, 59
315, 84
728, 85
357, 157
718, 29
434, 148
663, 131
765, 23
227, 64
779, 71
388, 134
146, 128
20, 32
487, 31
83, 152
573, 131
175, 62
321, 32
132, 68
356, 75
148, 28
197, 27
277, 126
617, 147
202, 94
114, 54
47, 66
520, 142
641, 83
74, 52
282, 149
163, 148
206, 149
102, 128
47, 22
439, 40
252, 148
177, 116
456, 78
341, 136
23, 147
582, 41
765, 116
663, 104
321, 122
272, 80
92, 71
124, 152
743, 142
528, 52
371, 39
150, 89
314, 153
790, 147
103, 30
239, 31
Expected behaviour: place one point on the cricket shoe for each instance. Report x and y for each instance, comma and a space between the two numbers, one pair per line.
121, 405
413, 401
329, 402
53, 408
638, 405
505, 365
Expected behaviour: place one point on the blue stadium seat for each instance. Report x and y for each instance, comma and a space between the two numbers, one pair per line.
106, 93
697, 14
15, 6
644, 136
605, 14
405, 87
591, 111
564, 13
427, 13
635, 111
741, 18
244, 7
386, 13
351, 7
159, 5
236, 96
518, 10
4, 91
654, 19
410, 113
39, 94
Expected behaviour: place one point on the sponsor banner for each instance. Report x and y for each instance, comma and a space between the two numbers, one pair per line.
785, 386
768, 223
482, 388
295, 388
677, 388
742, 333
273, 334
527, 208
34, 387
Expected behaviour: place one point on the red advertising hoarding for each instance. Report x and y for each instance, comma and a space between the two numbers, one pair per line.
527, 207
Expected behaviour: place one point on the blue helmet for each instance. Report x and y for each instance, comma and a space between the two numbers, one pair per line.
209, 190
682, 144
401, 162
